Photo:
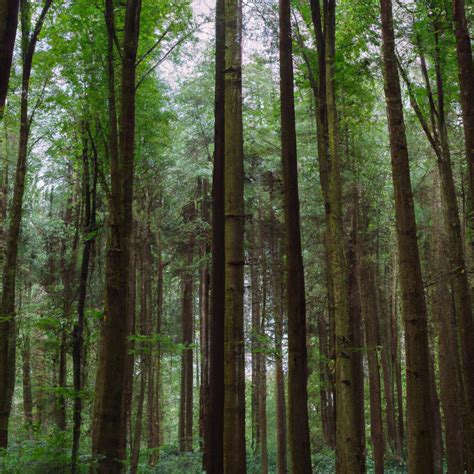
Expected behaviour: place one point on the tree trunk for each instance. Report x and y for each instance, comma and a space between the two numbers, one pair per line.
419, 409
7, 305
186, 405
436, 420
213, 457
109, 429
89, 198
356, 325
130, 357
4, 169
149, 366
143, 330
158, 432
204, 312
234, 362
449, 358
255, 332
262, 376
368, 296
298, 429
137, 436
349, 457
396, 363
282, 465
386, 340
8, 27
326, 339
466, 83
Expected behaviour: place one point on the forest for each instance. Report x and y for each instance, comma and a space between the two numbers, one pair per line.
236, 237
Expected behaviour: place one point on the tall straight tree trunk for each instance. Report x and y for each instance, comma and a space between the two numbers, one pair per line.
278, 290
280, 402
130, 360
204, 312
234, 361
388, 375
137, 435
213, 457
349, 457
255, 332
4, 171
150, 330
388, 334
368, 296
137, 431
353, 260
109, 430
144, 288
449, 369
158, 379
186, 405
89, 190
262, 384
419, 412
466, 83
7, 304
436, 420
298, 429
396, 362
326, 342
8, 27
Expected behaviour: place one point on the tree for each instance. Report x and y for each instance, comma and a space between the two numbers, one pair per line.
8, 27
298, 430
109, 420
90, 204
234, 366
420, 448
213, 456
466, 85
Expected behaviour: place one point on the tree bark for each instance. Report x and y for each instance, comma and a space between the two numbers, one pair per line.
255, 333
213, 457
204, 311
353, 260
234, 362
298, 429
420, 443
278, 290
368, 296
280, 402
262, 383
186, 405
466, 84
109, 430
8, 27
143, 330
